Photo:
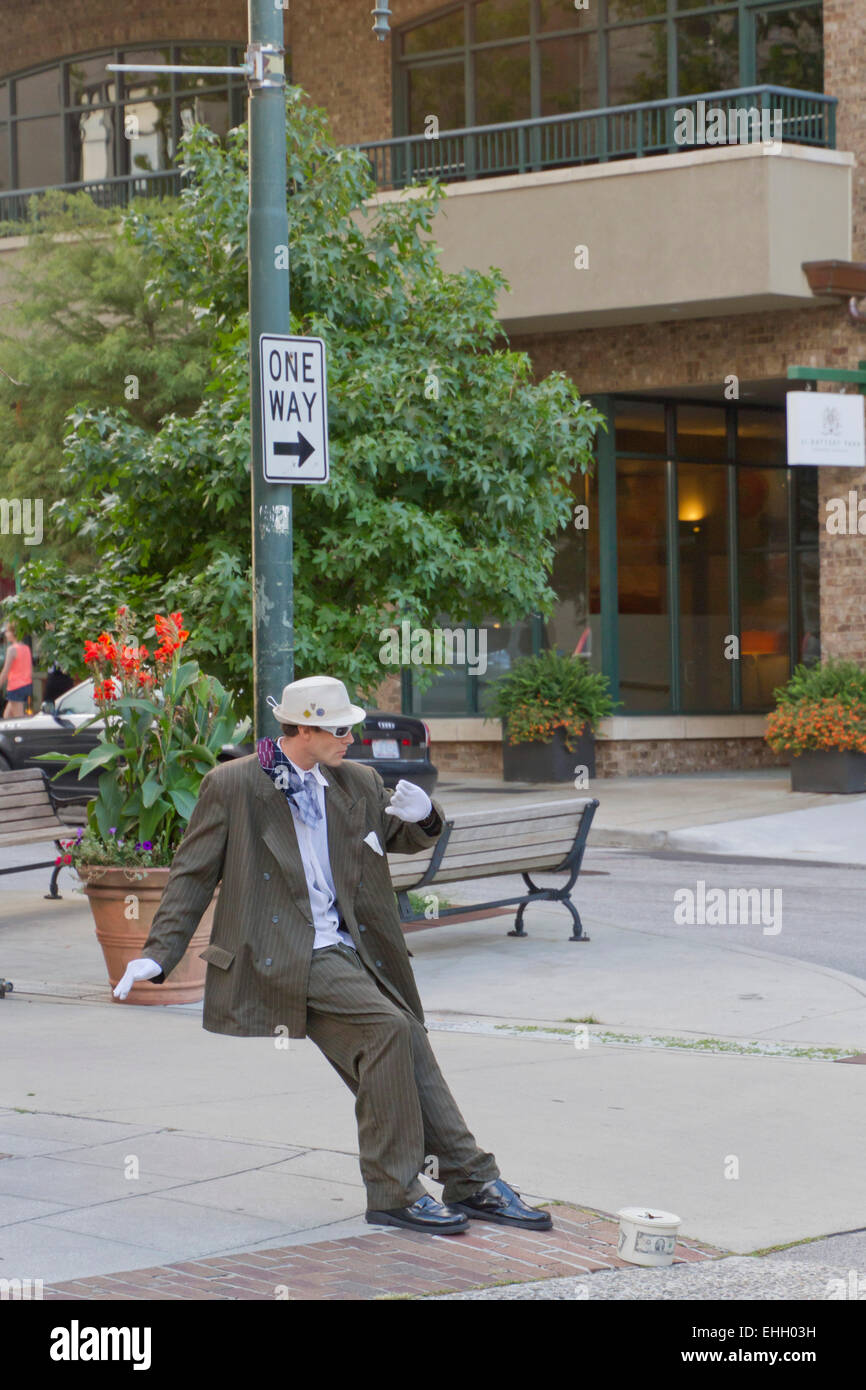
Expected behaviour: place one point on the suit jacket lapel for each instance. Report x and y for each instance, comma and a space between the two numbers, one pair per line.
278, 833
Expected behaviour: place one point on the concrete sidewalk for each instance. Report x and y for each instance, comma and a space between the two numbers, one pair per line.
134, 1139
748, 814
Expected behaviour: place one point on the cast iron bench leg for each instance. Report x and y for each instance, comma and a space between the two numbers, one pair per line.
578, 934
518, 922
52, 892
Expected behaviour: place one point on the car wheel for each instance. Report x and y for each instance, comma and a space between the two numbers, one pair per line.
4, 765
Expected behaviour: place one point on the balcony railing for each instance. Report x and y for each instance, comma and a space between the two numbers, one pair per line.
106, 193
612, 132
520, 147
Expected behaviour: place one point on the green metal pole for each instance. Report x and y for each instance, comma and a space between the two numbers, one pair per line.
272, 588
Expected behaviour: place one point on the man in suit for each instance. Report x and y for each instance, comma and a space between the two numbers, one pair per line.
307, 942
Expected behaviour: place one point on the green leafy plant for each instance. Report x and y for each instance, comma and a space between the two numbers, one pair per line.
164, 724
844, 681
820, 707
548, 692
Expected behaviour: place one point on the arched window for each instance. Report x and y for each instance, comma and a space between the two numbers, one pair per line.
75, 122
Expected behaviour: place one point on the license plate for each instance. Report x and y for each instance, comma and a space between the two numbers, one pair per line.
386, 748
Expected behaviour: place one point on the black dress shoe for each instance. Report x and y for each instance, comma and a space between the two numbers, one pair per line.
424, 1215
502, 1203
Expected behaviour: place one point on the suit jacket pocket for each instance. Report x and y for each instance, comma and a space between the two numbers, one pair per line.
217, 955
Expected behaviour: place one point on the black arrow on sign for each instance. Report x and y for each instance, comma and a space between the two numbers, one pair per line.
302, 449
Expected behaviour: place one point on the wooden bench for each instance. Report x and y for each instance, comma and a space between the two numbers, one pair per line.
550, 836
29, 808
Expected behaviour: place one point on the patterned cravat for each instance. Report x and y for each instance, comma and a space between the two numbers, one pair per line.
300, 792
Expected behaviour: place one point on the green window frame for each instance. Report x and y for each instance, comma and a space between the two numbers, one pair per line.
797, 547
603, 20
175, 90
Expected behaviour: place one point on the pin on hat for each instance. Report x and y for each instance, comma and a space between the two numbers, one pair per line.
316, 701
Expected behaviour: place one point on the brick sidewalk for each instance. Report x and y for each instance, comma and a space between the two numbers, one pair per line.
384, 1262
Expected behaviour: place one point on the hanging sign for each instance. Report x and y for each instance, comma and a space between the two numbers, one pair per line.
826, 428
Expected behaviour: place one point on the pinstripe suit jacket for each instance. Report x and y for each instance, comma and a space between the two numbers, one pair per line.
242, 834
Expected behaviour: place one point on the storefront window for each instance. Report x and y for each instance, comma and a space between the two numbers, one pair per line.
702, 536
704, 600
574, 626
644, 619
763, 583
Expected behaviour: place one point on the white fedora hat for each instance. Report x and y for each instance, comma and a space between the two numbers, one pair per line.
316, 701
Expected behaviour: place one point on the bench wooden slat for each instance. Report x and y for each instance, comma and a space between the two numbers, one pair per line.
554, 829
22, 774
486, 866
33, 838
570, 806
34, 798
31, 820
471, 851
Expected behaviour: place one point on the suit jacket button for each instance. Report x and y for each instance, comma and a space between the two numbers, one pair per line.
360, 928
379, 963
275, 919
269, 960
267, 876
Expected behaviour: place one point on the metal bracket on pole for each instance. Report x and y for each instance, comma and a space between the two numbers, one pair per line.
845, 376
266, 65
381, 14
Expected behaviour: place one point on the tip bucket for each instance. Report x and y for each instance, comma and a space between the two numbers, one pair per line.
647, 1236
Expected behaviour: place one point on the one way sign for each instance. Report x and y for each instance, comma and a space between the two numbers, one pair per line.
294, 409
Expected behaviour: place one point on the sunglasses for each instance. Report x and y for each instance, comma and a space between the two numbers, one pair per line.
339, 731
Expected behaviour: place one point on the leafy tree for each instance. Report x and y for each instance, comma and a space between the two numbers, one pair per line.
450, 465
81, 328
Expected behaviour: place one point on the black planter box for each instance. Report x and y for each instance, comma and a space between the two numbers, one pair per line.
548, 762
828, 770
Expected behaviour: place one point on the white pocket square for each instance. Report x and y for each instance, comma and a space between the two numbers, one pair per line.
373, 841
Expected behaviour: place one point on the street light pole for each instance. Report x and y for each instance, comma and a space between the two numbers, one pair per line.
272, 586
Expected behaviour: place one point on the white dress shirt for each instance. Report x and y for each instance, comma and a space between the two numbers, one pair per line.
313, 844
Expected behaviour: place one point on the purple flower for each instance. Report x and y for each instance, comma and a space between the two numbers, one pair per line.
79, 833
147, 845
111, 829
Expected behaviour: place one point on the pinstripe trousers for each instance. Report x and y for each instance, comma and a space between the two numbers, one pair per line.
405, 1111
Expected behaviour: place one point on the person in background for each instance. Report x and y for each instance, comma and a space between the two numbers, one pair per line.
16, 675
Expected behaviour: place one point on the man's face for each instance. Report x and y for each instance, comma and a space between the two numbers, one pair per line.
320, 746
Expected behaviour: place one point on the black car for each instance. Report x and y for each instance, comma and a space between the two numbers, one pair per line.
396, 745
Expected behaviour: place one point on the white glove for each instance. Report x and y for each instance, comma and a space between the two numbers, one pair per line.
409, 802
136, 970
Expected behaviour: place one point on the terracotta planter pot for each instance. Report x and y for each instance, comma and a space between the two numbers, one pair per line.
122, 938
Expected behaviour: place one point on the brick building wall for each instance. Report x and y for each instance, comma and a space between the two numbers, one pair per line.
41, 30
